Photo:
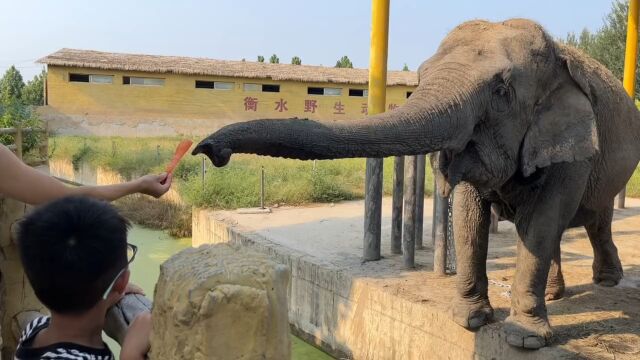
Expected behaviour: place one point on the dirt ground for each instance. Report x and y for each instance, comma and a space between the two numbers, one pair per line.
589, 322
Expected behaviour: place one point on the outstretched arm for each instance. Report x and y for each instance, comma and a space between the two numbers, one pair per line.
23, 183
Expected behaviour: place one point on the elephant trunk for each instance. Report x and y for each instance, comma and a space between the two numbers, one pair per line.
428, 122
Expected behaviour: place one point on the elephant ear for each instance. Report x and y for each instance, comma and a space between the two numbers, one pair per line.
564, 126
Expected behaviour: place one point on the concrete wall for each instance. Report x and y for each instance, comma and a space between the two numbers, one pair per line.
178, 107
357, 317
17, 295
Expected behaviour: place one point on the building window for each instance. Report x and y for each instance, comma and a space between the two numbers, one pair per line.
359, 92
200, 84
409, 93
97, 79
261, 87
140, 81
270, 88
217, 85
252, 87
324, 91
101, 79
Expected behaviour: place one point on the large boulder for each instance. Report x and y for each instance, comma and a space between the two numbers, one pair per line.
221, 302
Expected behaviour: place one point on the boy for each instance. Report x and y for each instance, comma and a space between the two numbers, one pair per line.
75, 254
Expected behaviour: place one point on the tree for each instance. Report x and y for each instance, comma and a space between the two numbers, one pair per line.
274, 59
260, 58
344, 62
11, 86
607, 45
296, 60
14, 112
33, 92
405, 67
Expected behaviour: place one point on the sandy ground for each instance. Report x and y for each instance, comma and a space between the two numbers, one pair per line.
590, 321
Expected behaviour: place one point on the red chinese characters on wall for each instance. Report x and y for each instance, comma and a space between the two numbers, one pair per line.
338, 108
310, 106
364, 109
281, 105
250, 104
393, 106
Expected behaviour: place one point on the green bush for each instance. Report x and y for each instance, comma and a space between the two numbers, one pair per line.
15, 114
324, 190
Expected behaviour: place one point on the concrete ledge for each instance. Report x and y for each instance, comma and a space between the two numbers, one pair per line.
376, 310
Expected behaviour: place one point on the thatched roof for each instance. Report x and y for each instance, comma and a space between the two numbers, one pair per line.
202, 66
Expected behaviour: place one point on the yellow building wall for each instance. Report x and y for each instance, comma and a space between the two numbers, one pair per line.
180, 107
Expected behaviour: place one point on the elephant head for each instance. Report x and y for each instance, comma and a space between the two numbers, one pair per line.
497, 99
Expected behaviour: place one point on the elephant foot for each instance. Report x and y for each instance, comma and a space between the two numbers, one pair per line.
555, 288
607, 276
472, 314
529, 332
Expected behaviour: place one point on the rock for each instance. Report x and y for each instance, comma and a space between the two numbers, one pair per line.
220, 302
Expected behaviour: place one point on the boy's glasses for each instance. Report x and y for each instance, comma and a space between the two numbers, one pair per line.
131, 255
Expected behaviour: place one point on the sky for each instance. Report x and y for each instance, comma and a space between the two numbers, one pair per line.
319, 32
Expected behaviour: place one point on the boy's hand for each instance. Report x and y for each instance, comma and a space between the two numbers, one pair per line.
155, 185
134, 289
136, 343
130, 289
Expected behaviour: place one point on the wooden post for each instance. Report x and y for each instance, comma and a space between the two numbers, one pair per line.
440, 239
450, 257
495, 218
377, 101
434, 213
420, 175
373, 210
396, 212
261, 185
409, 227
18, 141
44, 150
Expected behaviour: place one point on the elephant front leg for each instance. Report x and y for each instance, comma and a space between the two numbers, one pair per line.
471, 218
607, 269
540, 224
528, 326
555, 281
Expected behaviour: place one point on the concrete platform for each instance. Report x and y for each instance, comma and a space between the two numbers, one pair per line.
377, 310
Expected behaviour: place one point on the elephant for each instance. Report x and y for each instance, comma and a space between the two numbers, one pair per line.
510, 117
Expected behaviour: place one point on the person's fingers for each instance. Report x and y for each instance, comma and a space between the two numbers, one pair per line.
134, 289
168, 180
162, 178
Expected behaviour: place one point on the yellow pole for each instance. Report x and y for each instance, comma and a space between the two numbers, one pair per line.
378, 56
631, 49
377, 101
630, 59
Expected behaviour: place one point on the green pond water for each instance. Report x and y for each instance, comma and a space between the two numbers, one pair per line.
154, 247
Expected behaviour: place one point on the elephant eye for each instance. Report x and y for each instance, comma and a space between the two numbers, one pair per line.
501, 90
501, 98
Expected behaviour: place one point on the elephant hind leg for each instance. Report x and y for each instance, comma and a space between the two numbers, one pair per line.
607, 269
555, 281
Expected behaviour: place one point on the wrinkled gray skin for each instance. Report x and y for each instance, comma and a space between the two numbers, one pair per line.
517, 120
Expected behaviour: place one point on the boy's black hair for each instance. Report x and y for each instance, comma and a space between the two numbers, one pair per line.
71, 250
